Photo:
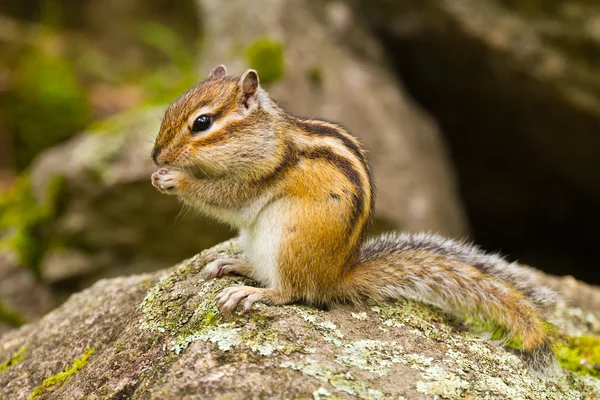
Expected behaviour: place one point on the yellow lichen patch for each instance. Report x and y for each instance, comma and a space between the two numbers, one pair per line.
580, 354
61, 378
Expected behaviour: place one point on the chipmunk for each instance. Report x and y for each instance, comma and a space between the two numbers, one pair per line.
301, 194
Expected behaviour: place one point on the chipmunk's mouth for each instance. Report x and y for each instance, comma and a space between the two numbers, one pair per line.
191, 170
169, 158
181, 161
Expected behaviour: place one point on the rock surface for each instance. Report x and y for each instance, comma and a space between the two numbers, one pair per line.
515, 86
334, 68
160, 336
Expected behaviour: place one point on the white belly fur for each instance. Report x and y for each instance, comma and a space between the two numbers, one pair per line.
260, 234
261, 242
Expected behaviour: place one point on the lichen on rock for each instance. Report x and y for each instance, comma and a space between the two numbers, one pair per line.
22, 217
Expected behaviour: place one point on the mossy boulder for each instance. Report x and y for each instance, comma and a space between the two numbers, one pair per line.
87, 208
160, 336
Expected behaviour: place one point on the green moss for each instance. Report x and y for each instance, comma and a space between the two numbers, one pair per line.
580, 354
22, 221
211, 318
46, 104
265, 55
494, 331
259, 319
13, 359
61, 378
232, 332
315, 76
10, 317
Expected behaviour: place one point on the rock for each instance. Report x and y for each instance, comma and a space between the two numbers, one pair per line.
109, 220
321, 61
160, 336
514, 85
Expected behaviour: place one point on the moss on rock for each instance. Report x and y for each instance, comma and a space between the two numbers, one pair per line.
265, 55
166, 309
46, 105
62, 377
10, 317
22, 220
13, 359
580, 354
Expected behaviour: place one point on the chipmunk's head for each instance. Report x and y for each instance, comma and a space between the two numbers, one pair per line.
223, 125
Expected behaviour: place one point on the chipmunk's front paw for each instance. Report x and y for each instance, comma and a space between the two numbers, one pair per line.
166, 180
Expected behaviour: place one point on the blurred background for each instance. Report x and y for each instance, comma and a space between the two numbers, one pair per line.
481, 118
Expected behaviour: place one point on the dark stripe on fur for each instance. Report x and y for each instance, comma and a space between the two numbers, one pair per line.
347, 168
320, 129
288, 160
315, 127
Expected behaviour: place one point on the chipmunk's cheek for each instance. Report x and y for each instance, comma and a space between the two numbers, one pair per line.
181, 157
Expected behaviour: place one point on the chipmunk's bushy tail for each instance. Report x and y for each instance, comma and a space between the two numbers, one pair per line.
461, 280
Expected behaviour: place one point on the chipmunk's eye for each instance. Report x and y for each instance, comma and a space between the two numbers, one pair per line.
201, 123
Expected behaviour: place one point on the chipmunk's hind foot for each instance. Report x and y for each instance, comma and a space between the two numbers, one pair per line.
230, 297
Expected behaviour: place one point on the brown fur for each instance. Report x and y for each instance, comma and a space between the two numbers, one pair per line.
317, 173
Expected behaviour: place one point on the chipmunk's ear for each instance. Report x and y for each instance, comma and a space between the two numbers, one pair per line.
249, 84
218, 73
